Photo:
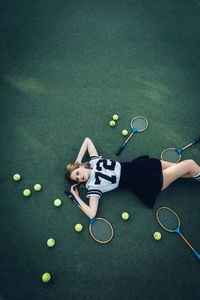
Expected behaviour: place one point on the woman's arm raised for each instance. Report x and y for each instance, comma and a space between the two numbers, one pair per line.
91, 209
86, 146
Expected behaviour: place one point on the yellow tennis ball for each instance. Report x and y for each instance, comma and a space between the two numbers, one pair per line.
112, 123
157, 235
16, 177
46, 277
115, 117
50, 242
78, 227
26, 192
125, 215
57, 202
37, 187
124, 132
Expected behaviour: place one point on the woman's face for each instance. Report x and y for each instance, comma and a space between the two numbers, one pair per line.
80, 174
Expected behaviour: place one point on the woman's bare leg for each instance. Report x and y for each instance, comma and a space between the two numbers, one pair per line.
167, 164
186, 168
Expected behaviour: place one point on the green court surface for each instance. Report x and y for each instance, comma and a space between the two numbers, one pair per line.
66, 68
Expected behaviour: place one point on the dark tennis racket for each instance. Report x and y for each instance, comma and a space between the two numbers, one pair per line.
174, 155
100, 229
138, 124
170, 221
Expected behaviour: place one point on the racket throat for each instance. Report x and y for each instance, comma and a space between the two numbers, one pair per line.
92, 220
177, 230
179, 151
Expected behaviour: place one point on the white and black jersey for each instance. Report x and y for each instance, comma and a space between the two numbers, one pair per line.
104, 177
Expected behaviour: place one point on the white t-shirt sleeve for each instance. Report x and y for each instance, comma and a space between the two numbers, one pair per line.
93, 160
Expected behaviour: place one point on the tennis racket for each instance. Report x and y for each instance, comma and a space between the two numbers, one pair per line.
174, 155
100, 229
138, 124
170, 221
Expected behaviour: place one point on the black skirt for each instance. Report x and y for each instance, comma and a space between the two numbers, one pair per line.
144, 176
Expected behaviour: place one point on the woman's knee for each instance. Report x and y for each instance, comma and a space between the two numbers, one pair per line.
191, 166
190, 162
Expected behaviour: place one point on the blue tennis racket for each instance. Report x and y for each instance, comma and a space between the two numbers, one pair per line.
170, 221
138, 124
174, 155
100, 229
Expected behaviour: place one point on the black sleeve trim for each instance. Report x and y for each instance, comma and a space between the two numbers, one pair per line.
93, 157
94, 192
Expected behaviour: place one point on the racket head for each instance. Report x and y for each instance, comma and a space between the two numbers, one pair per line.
101, 230
139, 123
171, 155
168, 219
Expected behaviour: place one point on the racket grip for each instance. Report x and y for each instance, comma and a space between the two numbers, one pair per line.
197, 254
197, 140
120, 150
71, 197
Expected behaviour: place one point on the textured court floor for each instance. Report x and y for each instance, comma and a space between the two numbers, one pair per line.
65, 68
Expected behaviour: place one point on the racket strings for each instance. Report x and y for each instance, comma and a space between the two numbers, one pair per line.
139, 123
168, 219
101, 230
171, 155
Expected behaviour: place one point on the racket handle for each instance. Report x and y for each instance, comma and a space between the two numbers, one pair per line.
120, 149
196, 140
71, 197
197, 254
74, 200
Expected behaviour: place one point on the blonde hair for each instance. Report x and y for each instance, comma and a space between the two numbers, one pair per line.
71, 167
